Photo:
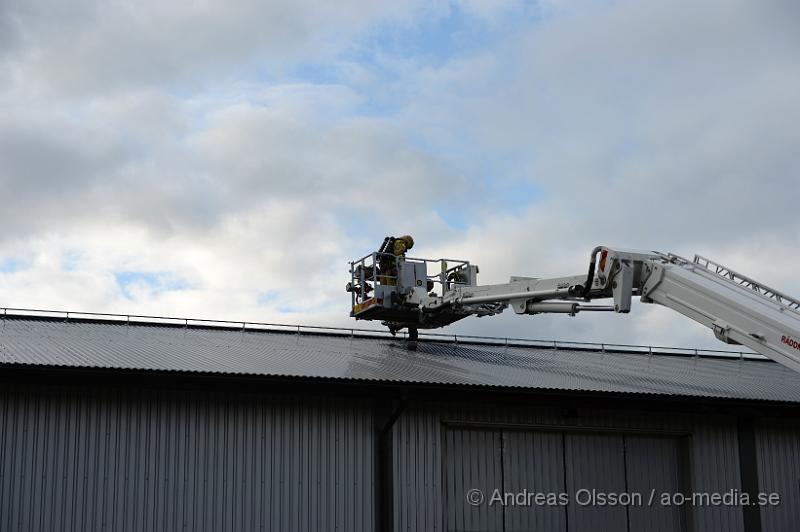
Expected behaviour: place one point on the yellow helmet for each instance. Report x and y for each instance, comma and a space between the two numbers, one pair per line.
408, 240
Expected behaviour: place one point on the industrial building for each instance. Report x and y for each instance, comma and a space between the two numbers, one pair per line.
130, 423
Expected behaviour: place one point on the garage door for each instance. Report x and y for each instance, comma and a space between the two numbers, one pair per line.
512, 480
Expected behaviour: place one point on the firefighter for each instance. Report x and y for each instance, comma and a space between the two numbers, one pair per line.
388, 265
402, 244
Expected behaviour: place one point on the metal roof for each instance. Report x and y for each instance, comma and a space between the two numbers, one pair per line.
370, 356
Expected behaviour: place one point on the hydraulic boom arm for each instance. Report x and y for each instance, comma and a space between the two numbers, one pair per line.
736, 308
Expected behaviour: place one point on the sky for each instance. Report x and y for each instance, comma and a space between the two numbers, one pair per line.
225, 160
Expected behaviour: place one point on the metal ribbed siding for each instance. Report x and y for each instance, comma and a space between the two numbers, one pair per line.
712, 454
778, 449
147, 460
534, 460
715, 469
595, 461
128, 461
656, 462
513, 460
473, 460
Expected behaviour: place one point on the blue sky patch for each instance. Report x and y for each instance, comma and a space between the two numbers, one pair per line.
516, 197
14, 264
442, 34
497, 197
71, 260
268, 297
154, 282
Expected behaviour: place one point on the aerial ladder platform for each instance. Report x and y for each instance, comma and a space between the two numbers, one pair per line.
412, 293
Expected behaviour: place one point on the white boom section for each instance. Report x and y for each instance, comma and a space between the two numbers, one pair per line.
737, 309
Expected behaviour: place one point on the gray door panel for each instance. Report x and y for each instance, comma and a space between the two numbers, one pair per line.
534, 461
594, 462
473, 461
653, 463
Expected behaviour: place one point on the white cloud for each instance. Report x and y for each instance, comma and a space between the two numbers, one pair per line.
651, 125
86, 46
141, 139
223, 204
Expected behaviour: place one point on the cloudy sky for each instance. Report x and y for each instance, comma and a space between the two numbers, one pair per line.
226, 159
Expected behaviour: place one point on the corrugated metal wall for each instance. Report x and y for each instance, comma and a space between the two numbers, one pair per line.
113, 459
656, 463
147, 460
711, 459
473, 461
520, 462
778, 450
534, 460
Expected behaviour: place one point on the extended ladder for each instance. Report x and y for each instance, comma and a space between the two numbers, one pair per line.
737, 308
743, 280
